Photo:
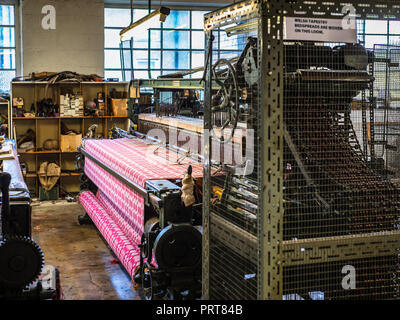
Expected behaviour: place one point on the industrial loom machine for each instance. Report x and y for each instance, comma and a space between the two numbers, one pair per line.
315, 204
145, 200
335, 208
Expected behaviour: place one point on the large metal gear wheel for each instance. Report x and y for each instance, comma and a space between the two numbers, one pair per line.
21, 262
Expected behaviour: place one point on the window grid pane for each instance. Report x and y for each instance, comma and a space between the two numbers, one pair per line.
7, 47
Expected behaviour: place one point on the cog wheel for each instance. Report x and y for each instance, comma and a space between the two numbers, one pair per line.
21, 262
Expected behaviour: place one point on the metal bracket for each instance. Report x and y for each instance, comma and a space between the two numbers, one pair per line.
340, 248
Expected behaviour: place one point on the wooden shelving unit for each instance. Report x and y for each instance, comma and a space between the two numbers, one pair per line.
50, 127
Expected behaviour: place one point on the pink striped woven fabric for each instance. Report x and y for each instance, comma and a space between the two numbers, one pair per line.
124, 221
126, 250
128, 201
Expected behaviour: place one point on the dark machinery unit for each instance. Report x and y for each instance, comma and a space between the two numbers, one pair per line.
166, 97
21, 259
20, 201
314, 204
175, 242
174, 102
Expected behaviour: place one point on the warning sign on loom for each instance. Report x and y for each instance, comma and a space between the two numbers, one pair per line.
326, 30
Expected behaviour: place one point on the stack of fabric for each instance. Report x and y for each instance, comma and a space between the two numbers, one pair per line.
117, 210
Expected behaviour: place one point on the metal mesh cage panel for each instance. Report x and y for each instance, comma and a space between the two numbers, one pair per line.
319, 104
331, 189
234, 199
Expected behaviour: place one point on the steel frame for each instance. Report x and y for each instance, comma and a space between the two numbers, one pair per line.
339, 248
207, 171
174, 83
271, 251
309, 251
134, 186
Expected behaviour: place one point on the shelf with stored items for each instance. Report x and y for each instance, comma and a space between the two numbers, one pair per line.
49, 130
4, 118
84, 117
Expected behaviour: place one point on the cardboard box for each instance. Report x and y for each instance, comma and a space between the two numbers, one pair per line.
134, 92
119, 107
70, 142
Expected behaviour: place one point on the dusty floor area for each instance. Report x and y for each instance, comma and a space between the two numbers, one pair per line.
88, 270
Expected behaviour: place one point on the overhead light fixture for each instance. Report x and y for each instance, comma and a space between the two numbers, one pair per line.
144, 23
242, 28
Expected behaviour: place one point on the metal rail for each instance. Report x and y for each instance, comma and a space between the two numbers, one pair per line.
134, 186
174, 83
310, 251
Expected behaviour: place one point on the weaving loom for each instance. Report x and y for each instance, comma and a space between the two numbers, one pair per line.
316, 202
126, 173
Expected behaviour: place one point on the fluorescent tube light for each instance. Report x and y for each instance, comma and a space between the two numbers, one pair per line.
144, 23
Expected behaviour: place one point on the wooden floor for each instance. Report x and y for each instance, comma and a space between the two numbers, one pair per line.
88, 270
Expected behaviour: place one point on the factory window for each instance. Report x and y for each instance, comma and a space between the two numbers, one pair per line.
176, 45
7, 47
384, 37
371, 32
